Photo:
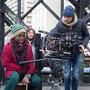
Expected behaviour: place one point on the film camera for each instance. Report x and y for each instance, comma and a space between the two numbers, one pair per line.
65, 43
61, 46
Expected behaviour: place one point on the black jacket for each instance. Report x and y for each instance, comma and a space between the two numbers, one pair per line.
75, 31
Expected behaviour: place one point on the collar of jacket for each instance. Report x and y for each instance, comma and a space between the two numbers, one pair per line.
72, 23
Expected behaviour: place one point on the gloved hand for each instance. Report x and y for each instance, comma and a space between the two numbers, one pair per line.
81, 48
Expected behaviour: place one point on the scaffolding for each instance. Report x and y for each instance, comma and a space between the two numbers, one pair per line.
80, 6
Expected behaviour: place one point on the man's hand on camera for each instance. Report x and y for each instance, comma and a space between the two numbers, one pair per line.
47, 52
81, 48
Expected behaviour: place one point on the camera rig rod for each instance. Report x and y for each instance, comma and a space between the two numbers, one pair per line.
39, 60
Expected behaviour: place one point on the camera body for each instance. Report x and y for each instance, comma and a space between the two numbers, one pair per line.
64, 42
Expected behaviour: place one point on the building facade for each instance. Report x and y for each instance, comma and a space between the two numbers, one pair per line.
40, 18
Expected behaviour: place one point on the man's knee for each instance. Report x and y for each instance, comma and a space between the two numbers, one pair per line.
75, 76
35, 80
67, 75
14, 77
